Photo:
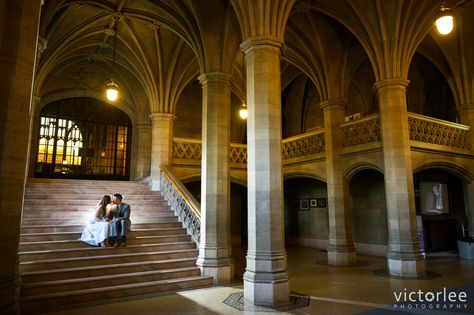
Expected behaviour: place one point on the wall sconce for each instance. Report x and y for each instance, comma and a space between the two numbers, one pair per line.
243, 112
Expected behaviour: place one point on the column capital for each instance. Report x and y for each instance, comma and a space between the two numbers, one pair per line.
333, 104
214, 77
143, 127
262, 43
465, 107
398, 82
162, 116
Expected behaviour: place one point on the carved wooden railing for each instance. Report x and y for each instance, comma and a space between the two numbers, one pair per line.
303, 145
437, 131
182, 202
361, 131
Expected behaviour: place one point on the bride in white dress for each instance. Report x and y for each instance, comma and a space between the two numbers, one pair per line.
98, 229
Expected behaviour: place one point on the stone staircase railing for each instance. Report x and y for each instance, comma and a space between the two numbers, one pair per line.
182, 202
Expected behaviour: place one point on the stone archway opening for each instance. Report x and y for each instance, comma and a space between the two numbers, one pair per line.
440, 206
368, 212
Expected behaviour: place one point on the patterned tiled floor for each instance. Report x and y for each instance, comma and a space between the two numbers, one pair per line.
330, 290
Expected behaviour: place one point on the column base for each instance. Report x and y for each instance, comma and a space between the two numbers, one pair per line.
406, 268
221, 274
154, 185
270, 291
341, 257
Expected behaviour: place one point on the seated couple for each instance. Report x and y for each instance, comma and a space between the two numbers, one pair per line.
112, 219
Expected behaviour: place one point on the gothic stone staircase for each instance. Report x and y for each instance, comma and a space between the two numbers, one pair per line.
59, 271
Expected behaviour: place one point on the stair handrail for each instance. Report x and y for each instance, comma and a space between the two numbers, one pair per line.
182, 202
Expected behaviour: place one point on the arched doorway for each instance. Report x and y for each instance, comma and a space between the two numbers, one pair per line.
83, 138
368, 212
306, 212
439, 198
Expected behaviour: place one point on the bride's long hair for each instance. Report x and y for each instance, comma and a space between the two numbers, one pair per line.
104, 201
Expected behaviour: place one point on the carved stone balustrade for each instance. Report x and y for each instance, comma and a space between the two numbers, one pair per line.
361, 131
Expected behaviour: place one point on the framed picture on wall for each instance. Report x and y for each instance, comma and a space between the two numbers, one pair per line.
313, 203
321, 202
304, 204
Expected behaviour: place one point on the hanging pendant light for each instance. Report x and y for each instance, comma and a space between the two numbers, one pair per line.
243, 112
112, 91
444, 23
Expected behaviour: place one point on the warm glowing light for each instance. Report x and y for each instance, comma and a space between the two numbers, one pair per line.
112, 91
102, 154
243, 111
65, 162
445, 23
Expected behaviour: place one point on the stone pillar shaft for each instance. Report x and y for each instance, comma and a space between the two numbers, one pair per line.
341, 249
215, 247
161, 147
17, 61
143, 153
265, 279
404, 257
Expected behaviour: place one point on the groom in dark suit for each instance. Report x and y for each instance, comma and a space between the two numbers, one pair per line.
121, 223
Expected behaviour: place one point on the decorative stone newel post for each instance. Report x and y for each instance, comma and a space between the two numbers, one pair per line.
341, 249
466, 115
215, 249
143, 157
404, 257
265, 279
17, 60
161, 145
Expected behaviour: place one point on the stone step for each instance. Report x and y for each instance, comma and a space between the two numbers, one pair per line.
61, 196
81, 221
74, 235
90, 251
27, 229
47, 300
78, 201
105, 259
106, 280
110, 269
68, 244
87, 215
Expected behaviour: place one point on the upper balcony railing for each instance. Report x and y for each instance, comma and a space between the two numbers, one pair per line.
361, 131
357, 136
189, 151
438, 132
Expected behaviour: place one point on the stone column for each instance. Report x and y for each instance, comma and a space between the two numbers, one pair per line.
34, 135
404, 257
341, 250
17, 61
143, 153
215, 246
469, 200
466, 117
265, 279
161, 145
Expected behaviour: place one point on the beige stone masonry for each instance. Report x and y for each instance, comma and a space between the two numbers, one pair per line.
215, 247
341, 250
162, 143
404, 257
265, 279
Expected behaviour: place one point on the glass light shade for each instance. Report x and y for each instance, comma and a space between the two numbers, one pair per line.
444, 23
243, 111
112, 91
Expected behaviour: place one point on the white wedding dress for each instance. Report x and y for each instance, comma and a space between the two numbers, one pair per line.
96, 231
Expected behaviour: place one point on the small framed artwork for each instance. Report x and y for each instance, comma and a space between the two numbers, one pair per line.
321, 202
304, 204
294, 204
313, 203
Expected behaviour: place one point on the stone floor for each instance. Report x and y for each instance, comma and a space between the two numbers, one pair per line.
331, 290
